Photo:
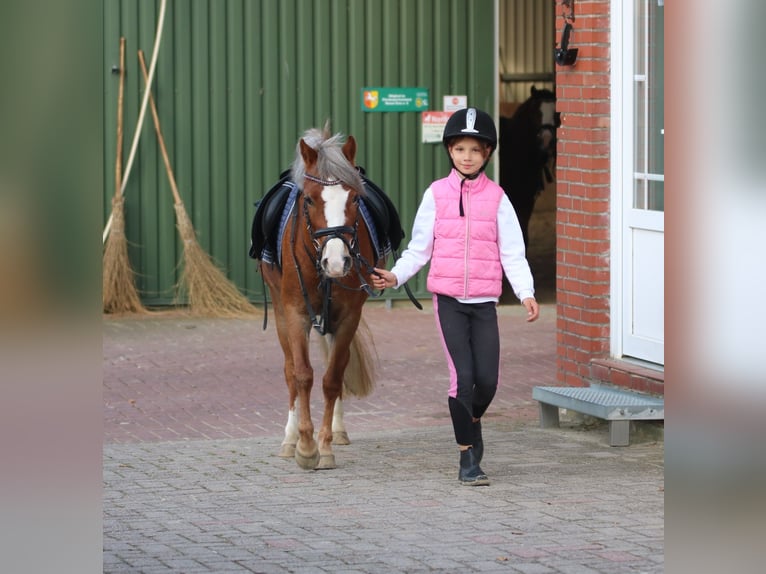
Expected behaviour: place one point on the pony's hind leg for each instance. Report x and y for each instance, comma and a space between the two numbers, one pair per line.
339, 434
287, 449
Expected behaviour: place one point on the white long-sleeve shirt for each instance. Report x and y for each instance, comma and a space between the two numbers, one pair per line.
510, 243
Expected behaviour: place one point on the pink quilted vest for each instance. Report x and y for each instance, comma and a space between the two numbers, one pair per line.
465, 262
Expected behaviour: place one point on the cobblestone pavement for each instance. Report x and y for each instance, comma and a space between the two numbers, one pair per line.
194, 411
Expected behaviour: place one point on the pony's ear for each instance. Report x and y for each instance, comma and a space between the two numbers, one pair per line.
533, 91
349, 149
308, 153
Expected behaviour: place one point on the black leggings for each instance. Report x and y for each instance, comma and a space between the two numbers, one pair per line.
471, 342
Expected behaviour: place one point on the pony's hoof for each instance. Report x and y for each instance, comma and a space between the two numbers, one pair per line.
326, 462
287, 451
307, 462
340, 437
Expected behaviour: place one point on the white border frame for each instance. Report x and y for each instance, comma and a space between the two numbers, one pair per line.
621, 154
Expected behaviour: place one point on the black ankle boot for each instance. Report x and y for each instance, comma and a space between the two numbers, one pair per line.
470, 472
478, 442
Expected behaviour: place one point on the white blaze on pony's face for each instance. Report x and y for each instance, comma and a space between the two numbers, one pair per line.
548, 113
336, 260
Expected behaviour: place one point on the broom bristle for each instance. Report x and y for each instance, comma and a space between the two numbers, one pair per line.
119, 293
208, 290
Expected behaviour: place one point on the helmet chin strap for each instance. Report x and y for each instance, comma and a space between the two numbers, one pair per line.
465, 177
473, 175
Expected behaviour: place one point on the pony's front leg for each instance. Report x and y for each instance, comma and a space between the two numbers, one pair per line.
287, 449
325, 435
332, 385
306, 450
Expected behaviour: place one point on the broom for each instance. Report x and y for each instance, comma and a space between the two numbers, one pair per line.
119, 294
208, 290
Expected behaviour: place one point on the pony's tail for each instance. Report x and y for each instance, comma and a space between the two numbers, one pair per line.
361, 371
359, 379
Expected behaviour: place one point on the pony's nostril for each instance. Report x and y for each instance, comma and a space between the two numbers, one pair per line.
346, 264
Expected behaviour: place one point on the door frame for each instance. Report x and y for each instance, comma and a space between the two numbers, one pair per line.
621, 180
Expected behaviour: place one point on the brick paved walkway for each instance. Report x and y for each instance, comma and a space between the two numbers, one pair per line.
194, 411
175, 377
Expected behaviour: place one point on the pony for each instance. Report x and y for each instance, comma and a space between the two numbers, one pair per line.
320, 280
527, 153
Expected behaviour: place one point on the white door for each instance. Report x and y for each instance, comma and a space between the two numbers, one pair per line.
638, 192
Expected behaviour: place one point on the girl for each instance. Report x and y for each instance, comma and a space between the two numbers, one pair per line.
467, 228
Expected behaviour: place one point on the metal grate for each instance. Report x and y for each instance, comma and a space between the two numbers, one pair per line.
602, 402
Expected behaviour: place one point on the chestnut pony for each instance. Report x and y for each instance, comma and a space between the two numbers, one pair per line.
322, 283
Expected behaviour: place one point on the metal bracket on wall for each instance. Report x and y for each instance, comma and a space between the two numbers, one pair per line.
564, 55
569, 10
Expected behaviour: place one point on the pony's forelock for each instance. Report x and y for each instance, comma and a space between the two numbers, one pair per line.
331, 163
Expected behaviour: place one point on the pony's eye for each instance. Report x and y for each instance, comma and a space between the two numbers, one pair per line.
308, 200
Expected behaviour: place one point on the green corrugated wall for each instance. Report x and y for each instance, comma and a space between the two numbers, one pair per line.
237, 83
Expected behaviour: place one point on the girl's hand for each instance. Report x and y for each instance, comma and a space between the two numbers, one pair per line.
533, 309
382, 279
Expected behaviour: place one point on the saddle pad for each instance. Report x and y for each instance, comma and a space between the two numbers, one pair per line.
273, 212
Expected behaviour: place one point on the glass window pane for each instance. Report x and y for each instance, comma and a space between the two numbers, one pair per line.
640, 37
639, 145
656, 89
649, 106
639, 194
656, 196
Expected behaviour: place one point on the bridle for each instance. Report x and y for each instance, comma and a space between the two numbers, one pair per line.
550, 128
348, 234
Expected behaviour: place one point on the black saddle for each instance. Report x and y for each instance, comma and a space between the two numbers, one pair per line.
268, 213
265, 229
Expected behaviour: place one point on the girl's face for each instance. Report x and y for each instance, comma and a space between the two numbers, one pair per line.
468, 154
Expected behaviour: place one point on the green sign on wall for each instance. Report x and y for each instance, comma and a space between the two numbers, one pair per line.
394, 99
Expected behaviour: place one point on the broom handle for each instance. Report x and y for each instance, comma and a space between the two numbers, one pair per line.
156, 117
141, 114
120, 103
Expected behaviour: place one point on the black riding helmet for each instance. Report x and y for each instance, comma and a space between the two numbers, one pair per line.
471, 122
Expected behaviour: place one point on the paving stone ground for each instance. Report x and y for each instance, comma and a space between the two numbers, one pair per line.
194, 411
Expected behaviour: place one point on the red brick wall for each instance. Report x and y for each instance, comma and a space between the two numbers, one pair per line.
582, 191
582, 209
